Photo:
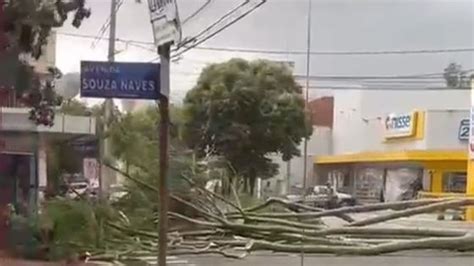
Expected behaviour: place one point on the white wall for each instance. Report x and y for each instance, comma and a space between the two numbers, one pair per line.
347, 122
359, 117
442, 128
374, 103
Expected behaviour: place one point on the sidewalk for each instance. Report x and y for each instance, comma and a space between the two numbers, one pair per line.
423, 220
6, 260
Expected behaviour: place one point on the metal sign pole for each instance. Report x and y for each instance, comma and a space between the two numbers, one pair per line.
164, 52
166, 31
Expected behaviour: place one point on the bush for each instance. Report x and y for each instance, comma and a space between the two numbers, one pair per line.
63, 229
24, 237
76, 226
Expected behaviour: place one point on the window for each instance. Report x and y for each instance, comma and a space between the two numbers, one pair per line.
454, 182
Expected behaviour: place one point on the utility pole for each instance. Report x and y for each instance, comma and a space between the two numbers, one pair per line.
109, 103
308, 61
308, 64
164, 52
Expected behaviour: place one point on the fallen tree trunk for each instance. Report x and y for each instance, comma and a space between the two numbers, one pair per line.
236, 227
464, 243
353, 209
414, 211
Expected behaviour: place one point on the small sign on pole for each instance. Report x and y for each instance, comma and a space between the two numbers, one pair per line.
120, 80
165, 21
91, 171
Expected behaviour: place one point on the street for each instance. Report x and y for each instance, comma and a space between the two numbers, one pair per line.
407, 259
415, 258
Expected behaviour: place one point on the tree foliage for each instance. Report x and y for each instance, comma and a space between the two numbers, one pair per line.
134, 138
29, 23
244, 111
135, 143
25, 26
456, 77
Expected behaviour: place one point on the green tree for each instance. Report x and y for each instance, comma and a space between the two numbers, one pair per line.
25, 27
29, 23
244, 111
134, 142
134, 138
456, 77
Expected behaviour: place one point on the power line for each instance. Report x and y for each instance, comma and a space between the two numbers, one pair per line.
106, 25
208, 28
387, 88
426, 76
197, 42
282, 52
195, 13
385, 52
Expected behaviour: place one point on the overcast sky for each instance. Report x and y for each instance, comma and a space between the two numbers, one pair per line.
337, 25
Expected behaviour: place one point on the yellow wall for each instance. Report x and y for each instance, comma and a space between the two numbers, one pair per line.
436, 181
438, 168
470, 189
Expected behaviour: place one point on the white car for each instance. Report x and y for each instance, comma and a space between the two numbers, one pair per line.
76, 189
320, 196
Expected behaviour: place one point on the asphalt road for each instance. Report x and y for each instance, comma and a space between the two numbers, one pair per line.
427, 258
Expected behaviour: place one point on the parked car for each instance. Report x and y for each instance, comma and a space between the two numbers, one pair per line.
77, 189
117, 192
323, 197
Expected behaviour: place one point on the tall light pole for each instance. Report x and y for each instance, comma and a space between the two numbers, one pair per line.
305, 144
308, 65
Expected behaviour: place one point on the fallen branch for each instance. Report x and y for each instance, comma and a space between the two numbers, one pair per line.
293, 205
208, 251
353, 209
414, 211
464, 243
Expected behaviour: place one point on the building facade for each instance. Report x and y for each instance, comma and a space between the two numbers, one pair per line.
388, 145
23, 143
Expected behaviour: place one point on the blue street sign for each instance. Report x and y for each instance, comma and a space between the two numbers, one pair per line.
120, 80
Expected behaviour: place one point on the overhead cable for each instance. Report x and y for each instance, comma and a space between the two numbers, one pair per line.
245, 50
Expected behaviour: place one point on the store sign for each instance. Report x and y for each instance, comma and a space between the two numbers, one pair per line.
120, 80
165, 21
400, 125
464, 126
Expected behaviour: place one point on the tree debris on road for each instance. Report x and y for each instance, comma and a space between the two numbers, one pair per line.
241, 231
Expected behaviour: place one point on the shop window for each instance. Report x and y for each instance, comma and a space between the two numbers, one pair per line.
454, 182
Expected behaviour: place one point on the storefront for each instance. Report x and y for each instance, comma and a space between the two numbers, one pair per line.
408, 154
